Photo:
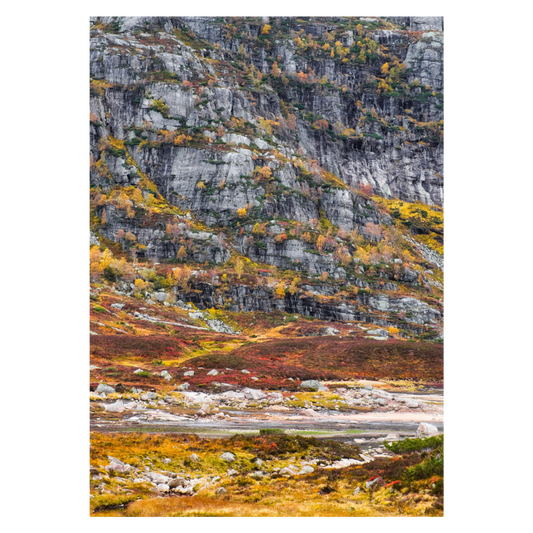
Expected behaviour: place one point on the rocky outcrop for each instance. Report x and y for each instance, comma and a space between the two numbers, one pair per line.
428, 60
383, 158
192, 111
205, 246
431, 256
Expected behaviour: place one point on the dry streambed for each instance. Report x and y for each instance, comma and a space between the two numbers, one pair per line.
346, 408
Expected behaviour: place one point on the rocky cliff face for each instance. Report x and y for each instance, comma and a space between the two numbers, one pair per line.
261, 131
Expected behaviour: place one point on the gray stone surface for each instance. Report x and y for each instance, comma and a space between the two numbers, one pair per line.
391, 156
311, 384
426, 430
106, 389
94, 240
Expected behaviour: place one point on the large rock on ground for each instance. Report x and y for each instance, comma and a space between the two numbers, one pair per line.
117, 407
426, 430
107, 389
313, 384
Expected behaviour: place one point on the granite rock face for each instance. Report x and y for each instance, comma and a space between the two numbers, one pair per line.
194, 105
382, 158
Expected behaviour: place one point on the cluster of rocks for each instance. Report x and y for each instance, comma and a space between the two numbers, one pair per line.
210, 405
161, 481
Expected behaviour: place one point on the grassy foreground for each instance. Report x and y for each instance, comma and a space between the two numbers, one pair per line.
408, 484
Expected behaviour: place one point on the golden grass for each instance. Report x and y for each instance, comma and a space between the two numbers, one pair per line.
270, 496
286, 502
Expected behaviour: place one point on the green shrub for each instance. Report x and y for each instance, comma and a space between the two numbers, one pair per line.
433, 466
116, 152
415, 445
99, 309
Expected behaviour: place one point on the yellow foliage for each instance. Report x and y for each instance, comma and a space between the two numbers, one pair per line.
95, 254
100, 85
293, 288
141, 285
280, 290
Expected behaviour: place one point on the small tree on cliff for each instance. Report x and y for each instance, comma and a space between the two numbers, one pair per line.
280, 290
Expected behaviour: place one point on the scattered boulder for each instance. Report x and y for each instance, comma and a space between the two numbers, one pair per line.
307, 469
379, 332
162, 487
426, 430
233, 472
228, 457
190, 373
254, 394
221, 491
313, 384
149, 396
392, 436
117, 466
117, 306
117, 407
328, 331
411, 404
106, 389
177, 482
289, 471
245, 371
183, 386
157, 478
166, 375
138, 371
194, 458
213, 372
